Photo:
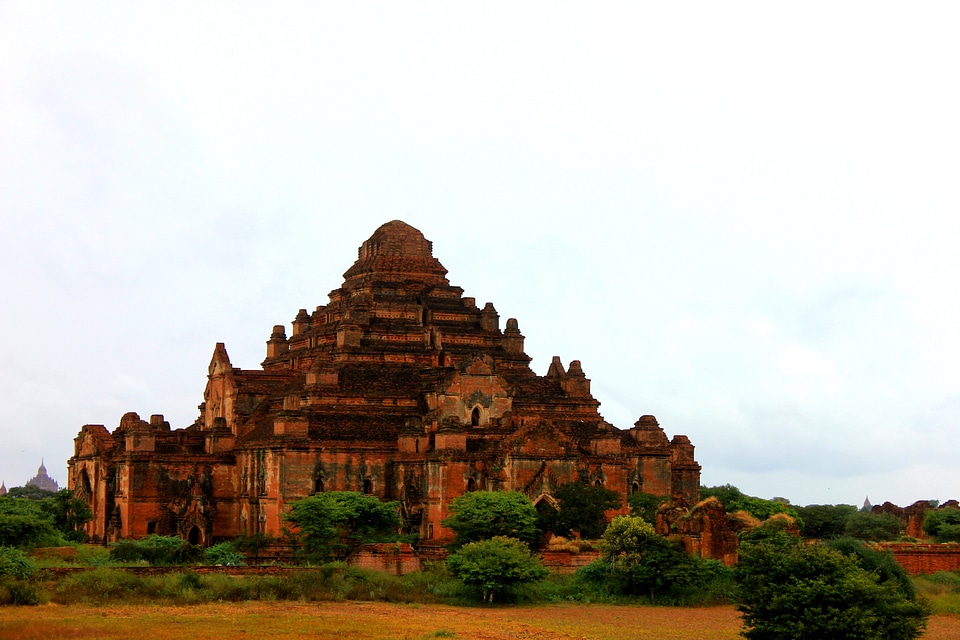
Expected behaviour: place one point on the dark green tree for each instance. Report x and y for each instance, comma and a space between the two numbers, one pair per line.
943, 524
824, 521
334, 523
27, 531
254, 543
646, 505
68, 513
30, 492
582, 509
735, 500
156, 550
481, 515
880, 563
873, 527
495, 565
639, 562
790, 590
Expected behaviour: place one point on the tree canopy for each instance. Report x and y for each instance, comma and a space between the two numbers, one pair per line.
495, 565
824, 521
735, 500
874, 527
943, 524
583, 509
42, 517
646, 505
334, 523
638, 562
481, 515
790, 590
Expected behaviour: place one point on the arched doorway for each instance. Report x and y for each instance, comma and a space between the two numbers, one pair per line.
195, 535
367, 486
475, 417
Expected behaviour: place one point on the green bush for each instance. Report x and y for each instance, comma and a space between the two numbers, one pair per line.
735, 500
21, 592
943, 524
156, 550
640, 563
646, 505
481, 515
496, 565
873, 527
790, 590
15, 563
223, 554
27, 531
881, 564
335, 523
824, 521
98, 586
582, 509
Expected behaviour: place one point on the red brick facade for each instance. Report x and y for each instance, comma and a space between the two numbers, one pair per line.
399, 387
924, 558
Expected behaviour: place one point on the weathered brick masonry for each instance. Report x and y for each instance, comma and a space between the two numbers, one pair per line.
917, 558
399, 387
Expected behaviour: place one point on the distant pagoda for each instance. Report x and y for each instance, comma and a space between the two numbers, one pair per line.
43, 481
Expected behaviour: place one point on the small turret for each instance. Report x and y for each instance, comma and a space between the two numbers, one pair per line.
489, 318
277, 345
512, 338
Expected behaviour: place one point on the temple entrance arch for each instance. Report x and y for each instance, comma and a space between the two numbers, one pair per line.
195, 535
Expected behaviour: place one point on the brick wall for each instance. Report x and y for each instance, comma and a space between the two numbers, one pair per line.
924, 558
567, 561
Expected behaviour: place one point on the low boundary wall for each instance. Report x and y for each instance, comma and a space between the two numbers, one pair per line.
923, 558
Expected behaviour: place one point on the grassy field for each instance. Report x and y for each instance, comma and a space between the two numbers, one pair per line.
379, 621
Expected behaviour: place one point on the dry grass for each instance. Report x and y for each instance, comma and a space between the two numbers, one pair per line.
380, 621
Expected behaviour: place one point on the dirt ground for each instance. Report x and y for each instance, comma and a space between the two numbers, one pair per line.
380, 621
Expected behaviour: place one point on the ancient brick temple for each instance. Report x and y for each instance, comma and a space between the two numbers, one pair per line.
399, 387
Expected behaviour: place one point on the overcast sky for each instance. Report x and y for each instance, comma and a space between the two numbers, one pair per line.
741, 218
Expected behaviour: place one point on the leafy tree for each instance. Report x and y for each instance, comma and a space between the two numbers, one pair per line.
68, 513
30, 492
824, 521
627, 536
791, 590
880, 563
582, 509
943, 524
21, 507
254, 543
495, 565
637, 561
735, 500
481, 515
26, 531
646, 505
335, 523
873, 526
